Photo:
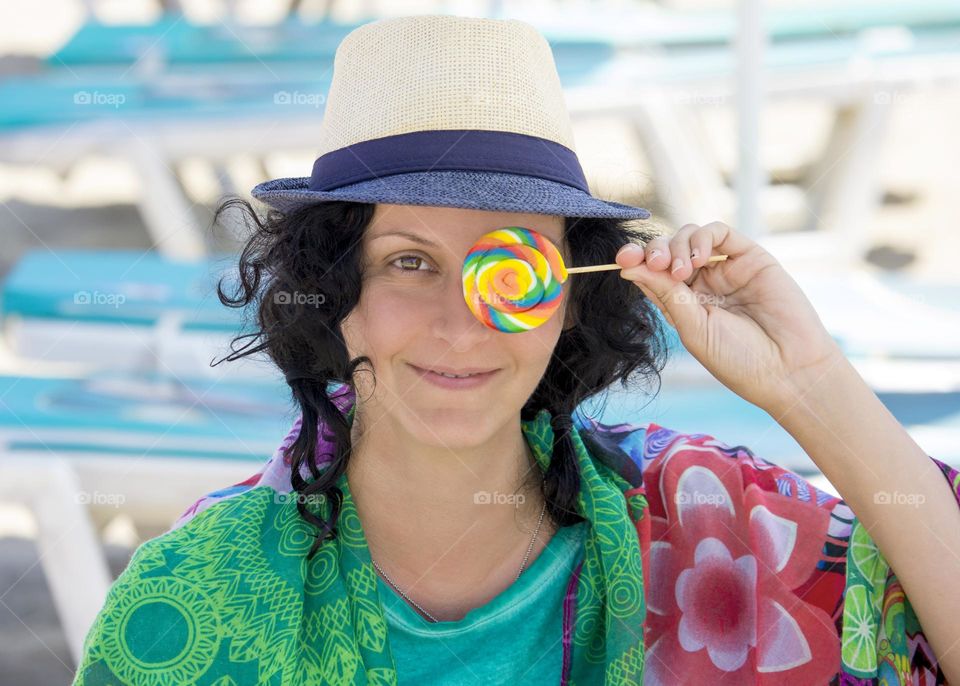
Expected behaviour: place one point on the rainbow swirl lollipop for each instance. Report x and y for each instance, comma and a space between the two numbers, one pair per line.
513, 278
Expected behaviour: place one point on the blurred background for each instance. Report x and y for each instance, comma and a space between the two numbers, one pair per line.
825, 130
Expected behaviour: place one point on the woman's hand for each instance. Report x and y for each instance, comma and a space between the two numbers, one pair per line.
744, 319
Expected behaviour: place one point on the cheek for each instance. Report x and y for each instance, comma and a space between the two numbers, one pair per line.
382, 321
533, 349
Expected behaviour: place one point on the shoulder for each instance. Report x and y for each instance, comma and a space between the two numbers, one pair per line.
633, 447
189, 589
274, 474
657, 457
252, 522
228, 536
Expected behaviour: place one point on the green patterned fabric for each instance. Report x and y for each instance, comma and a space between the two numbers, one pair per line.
229, 598
880, 627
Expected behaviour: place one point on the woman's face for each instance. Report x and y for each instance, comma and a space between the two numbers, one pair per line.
412, 317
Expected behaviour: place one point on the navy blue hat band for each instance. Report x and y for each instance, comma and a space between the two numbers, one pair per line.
462, 149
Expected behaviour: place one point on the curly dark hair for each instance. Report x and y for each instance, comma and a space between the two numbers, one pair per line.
616, 335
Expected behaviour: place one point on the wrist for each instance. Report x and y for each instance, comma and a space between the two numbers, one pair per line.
818, 391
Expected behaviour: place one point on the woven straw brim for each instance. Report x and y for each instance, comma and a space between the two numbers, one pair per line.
499, 192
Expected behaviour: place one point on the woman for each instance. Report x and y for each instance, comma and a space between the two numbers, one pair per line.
440, 514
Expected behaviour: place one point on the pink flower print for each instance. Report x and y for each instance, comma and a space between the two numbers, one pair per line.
727, 559
717, 599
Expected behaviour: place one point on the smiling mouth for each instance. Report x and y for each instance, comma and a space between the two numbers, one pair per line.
455, 375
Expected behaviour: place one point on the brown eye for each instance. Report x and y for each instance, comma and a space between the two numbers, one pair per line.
409, 263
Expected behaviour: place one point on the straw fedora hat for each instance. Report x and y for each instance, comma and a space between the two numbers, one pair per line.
450, 111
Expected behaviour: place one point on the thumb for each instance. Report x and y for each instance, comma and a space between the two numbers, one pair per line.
652, 297
676, 301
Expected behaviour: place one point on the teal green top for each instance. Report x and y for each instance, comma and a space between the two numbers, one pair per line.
514, 638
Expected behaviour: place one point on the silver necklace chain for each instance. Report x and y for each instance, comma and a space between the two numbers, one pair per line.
430, 616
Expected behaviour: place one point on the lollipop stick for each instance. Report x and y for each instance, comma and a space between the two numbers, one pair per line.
604, 267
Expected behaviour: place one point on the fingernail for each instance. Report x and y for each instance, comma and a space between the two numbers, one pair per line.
694, 254
654, 254
628, 248
677, 264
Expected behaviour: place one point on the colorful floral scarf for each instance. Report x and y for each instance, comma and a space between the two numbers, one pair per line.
228, 597
754, 576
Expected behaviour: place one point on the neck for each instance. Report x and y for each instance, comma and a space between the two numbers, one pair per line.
424, 514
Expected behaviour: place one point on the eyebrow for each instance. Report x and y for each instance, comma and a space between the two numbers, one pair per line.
406, 234
423, 241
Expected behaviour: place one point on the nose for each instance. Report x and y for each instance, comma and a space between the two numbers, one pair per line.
454, 323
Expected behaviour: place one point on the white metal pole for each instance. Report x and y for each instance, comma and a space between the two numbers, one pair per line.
750, 177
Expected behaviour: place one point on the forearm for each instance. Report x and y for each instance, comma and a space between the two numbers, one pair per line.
865, 453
